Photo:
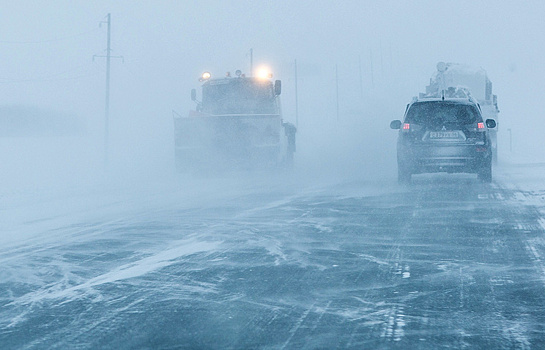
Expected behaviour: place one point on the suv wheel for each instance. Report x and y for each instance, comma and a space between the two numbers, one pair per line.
485, 173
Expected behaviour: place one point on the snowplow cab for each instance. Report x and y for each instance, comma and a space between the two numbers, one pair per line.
239, 96
237, 124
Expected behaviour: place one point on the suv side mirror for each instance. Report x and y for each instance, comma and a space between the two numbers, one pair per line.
395, 124
277, 87
193, 95
490, 123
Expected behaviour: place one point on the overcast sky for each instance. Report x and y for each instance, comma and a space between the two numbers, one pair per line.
47, 50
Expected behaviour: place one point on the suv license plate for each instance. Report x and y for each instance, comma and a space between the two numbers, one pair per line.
444, 135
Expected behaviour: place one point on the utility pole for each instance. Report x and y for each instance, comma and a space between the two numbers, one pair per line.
381, 63
361, 78
251, 62
372, 69
296, 99
337, 89
107, 102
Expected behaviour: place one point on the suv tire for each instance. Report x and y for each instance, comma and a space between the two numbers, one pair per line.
485, 173
403, 174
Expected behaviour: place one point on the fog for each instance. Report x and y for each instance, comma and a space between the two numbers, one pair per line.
383, 54
48, 63
97, 239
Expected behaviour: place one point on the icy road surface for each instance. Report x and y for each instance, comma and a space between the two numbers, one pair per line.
447, 262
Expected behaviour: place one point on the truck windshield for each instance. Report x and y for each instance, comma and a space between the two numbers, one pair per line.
439, 113
239, 96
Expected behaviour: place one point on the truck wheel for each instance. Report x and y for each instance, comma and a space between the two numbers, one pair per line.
485, 173
403, 174
288, 161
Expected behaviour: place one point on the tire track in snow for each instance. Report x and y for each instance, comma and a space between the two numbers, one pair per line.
297, 325
131, 270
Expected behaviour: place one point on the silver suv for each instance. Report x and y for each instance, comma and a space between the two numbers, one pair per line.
443, 135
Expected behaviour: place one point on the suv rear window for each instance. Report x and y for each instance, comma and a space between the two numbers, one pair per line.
440, 113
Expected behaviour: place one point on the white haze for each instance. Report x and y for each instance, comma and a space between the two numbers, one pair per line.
47, 50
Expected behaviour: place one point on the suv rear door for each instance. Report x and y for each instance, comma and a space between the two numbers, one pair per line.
443, 123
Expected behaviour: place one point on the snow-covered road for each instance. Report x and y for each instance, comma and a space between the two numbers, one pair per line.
446, 262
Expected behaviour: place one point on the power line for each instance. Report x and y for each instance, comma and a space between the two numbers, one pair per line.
48, 40
81, 73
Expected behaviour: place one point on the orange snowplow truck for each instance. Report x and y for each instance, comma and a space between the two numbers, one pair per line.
237, 124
